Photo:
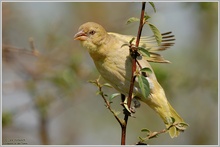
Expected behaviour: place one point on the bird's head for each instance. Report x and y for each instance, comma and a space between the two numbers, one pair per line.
91, 35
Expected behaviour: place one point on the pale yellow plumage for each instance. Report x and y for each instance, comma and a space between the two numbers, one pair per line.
114, 64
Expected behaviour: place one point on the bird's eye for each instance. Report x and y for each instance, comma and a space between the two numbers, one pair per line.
92, 32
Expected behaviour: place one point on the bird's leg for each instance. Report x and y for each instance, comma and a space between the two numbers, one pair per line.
132, 110
124, 104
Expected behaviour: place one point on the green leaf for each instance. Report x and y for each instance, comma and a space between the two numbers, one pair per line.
184, 124
93, 82
146, 17
144, 85
107, 85
148, 70
173, 120
132, 19
152, 4
113, 96
124, 45
145, 130
130, 42
141, 139
99, 92
181, 126
144, 51
170, 120
157, 33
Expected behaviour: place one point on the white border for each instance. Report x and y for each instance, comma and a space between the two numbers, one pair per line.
104, 1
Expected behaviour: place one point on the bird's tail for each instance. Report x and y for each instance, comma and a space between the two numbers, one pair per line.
173, 121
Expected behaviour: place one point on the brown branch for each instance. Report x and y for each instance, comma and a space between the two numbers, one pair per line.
151, 135
139, 64
124, 126
134, 54
141, 24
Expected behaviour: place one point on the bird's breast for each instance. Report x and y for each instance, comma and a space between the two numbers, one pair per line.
116, 70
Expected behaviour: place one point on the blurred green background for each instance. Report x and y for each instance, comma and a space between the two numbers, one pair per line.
46, 97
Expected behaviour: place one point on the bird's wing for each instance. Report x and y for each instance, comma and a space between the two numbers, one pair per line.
150, 43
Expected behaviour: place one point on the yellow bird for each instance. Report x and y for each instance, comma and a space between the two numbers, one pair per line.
114, 63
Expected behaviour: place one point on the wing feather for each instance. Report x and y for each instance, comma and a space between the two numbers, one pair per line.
151, 44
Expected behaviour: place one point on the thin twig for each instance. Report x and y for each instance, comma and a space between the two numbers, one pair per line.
108, 105
139, 64
20, 50
141, 24
178, 125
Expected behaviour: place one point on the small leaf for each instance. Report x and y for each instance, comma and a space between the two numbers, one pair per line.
145, 130
92, 81
181, 126
141, 139
144, 85
125, 45
144, 51
157, 33
113, 96
132, 19
130, 42
184, 124
173, 120
170, 120
146, 17
148, 70
107, 85
99, 92
152, 4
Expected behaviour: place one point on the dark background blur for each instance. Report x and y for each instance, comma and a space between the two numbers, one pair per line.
46, 97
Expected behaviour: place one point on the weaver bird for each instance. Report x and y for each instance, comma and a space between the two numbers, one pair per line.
114, 63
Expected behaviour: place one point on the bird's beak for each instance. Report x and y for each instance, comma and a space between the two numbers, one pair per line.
81, 35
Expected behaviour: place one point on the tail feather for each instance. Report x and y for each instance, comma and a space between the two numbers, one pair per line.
174, 131
158, 102
168, 114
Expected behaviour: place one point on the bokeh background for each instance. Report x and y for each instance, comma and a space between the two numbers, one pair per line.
46, 97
